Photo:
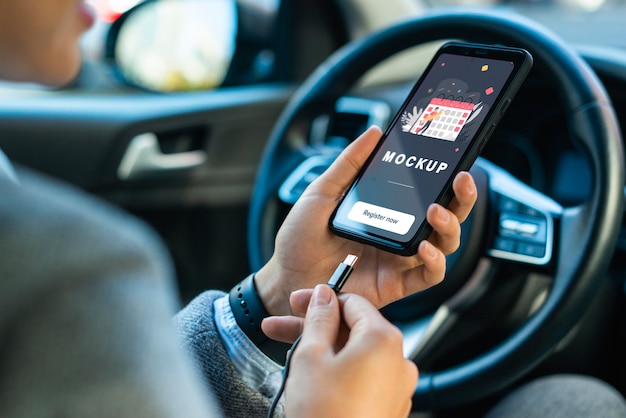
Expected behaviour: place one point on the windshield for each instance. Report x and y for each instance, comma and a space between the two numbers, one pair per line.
598, 22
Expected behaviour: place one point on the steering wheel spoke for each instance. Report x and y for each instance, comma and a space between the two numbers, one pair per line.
525, 219
304, 174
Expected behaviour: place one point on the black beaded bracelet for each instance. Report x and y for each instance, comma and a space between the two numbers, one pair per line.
249, 311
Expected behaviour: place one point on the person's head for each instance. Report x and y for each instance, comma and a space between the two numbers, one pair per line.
39, 39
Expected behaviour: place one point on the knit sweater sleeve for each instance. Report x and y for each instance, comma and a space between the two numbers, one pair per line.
197, 328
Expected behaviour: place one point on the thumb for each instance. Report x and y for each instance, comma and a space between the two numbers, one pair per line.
321, 324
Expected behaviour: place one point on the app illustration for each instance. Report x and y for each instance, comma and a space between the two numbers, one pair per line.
443, 119
447, 110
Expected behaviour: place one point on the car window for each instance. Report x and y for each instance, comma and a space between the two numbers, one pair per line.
578, 21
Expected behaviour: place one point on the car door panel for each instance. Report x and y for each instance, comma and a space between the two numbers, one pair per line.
200, 211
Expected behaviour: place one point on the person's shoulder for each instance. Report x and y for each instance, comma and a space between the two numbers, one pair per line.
54, 206
56, 233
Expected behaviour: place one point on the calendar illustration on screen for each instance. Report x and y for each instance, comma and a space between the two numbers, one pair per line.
442, 119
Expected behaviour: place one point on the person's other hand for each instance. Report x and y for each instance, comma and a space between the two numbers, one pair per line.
365, 375
307, 252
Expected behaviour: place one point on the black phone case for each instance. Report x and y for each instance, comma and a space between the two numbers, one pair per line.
473, 151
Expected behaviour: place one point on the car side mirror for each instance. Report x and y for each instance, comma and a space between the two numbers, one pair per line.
172, 46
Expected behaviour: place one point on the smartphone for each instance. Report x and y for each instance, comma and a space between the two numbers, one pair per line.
440, 129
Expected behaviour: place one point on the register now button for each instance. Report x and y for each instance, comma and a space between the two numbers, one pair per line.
379, 217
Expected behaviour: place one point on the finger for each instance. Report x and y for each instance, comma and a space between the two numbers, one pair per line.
360, 315
446, 228
368, 329
321, 324
347, 165
411, 375
408, 407
433, 269
299, 300
465, 193
282, 328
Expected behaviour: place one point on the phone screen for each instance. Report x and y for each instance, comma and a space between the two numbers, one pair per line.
436, 133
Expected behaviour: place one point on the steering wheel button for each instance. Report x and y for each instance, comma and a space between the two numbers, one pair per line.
523, 227
528, 228
527, 210
510, 226
509, 205
530, 249
505, 244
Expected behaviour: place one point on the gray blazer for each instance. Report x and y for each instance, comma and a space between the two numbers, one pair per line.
86, 300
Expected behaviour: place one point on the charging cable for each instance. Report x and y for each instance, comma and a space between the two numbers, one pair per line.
336, 282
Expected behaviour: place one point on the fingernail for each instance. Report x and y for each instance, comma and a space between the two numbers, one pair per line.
470, 190
321, 295
443, 214
430, 249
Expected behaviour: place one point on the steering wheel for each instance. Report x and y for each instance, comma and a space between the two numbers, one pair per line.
574, 243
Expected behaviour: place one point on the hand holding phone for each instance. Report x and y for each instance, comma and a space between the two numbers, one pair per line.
440, 130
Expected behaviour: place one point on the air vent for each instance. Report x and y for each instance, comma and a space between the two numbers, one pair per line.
352, 116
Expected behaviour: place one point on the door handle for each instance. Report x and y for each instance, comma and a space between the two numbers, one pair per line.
144, 156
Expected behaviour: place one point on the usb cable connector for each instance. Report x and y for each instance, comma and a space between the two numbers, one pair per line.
342, 272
